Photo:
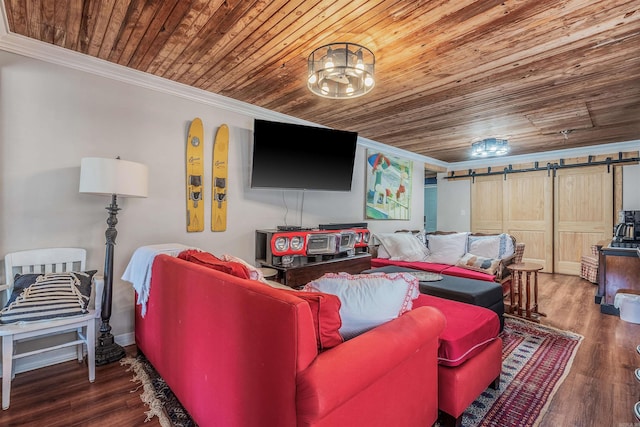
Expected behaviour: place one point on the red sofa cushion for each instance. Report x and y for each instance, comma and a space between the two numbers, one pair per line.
468, 330
209, 260
418, 265
469, 274
325, 310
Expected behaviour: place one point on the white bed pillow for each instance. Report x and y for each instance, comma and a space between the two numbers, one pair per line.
368, 300
403, 246
497, 246
382, 253
446, 248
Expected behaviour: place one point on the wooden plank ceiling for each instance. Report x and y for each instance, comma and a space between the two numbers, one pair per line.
547, 74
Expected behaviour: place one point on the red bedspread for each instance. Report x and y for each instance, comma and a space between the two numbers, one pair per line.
468, 330
446, 269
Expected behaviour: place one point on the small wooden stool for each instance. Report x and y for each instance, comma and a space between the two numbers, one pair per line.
529, 311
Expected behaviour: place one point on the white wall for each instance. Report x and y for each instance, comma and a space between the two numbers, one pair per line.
51, 116
631, 187
454, 204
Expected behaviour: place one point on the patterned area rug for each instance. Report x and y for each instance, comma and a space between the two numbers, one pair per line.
156, 394
535, 361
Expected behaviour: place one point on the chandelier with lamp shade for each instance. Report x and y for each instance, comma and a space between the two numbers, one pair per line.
489, 147
341, 71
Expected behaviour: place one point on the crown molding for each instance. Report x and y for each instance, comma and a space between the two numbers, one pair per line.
53, 54
549, 155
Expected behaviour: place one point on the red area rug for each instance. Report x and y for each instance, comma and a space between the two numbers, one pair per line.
535, 361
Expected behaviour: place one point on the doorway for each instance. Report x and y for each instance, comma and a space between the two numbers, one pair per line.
430, 207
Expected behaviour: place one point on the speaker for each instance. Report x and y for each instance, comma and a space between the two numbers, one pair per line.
322, 243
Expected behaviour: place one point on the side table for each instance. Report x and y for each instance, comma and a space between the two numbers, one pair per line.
268, 273
528, 308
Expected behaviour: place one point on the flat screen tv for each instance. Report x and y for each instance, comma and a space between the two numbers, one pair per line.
289, 156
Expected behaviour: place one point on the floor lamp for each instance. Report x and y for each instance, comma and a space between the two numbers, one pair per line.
111, 177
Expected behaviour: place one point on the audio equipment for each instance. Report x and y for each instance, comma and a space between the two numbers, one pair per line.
342, 226
283, 247
291, 228
362, 237
322, 243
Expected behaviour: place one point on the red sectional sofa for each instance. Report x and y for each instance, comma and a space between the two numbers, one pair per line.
239, 353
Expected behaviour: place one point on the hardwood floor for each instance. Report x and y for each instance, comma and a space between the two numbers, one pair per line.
600, 389
62, 396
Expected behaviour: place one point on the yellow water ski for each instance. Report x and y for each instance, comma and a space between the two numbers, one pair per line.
195, 176
219, 180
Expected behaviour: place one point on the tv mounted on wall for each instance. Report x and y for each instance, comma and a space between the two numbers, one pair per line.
289, 156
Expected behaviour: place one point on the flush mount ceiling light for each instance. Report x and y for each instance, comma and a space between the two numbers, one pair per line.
489, 147
341, 71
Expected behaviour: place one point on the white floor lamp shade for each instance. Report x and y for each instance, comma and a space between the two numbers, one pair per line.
113, 176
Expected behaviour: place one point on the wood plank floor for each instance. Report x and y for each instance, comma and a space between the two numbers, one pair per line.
599, 390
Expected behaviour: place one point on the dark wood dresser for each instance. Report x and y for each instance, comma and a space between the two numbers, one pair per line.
299, 274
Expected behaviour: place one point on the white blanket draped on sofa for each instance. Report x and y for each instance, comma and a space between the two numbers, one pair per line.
138, 272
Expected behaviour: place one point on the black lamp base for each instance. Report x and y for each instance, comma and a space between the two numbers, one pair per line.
107, 350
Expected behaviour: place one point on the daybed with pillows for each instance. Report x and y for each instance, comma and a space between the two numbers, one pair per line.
468, 255
238, 352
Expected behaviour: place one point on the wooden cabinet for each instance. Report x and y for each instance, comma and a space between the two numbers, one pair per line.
299, 274
619, 269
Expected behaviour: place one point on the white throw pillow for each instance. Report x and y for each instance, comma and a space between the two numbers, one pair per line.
446, 248
484, 246
498, 246
403, 246
479, 263
382, 253
509, 247
368, 300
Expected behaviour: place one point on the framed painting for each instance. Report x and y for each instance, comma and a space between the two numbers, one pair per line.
388, 193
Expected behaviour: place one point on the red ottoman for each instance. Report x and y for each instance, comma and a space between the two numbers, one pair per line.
470, 355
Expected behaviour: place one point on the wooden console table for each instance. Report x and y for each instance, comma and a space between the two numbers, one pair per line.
301, 274
530, 309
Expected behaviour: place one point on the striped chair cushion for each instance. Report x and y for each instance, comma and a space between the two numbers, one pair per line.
48, 296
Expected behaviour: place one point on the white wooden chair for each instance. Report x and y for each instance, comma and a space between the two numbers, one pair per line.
46, 261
